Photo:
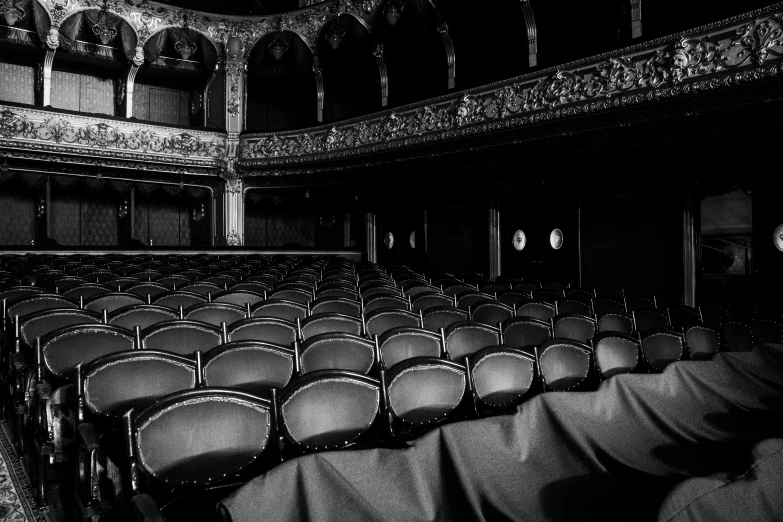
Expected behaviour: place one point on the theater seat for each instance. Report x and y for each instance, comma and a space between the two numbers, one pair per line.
501, 377
564, 364
337, 351
252, 366
400, 344
616, 353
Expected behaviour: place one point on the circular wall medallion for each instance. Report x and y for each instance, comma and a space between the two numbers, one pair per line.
556, 239
388, 240
412, 240
777, 238
520, 240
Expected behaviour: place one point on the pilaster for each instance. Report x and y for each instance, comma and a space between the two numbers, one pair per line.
371, 237
378, 53
494, 240
443, 29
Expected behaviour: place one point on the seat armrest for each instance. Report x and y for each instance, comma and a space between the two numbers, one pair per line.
44, 390
145, 509
88, 436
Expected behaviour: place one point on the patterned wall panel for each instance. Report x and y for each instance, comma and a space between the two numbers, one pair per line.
17, 218
65, 90
184, 228
287, 229
141, 220
255, 225
64, 222
161, 105
141, 101
164, 221
97, 95
99, 220
17, 83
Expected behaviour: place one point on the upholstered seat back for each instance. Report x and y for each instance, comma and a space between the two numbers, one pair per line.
522, 332
111, 301
41, 323
181, 336
564, 363
399, 344
216, 313
661, 347
468, 337
337, 351
702, 341
201, 436
501, 375
142, 316
176, 299
336, 305
118, 382
384, 320
537, 310
251, 366
439, 317
66, 347
425, 390
329, 409
238, 297
330, 323
29, 304
267, 329
616, 353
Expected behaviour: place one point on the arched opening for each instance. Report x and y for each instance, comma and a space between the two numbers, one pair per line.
169, 88
413, 51
351, 78
281, 90
96, 48
490, 45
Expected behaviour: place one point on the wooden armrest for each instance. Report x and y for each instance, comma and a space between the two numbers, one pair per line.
88, 436
145, 509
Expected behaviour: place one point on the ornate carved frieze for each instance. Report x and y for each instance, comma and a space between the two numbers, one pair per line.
685, 64
35, 129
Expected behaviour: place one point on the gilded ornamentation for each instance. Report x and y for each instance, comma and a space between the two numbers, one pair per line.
638, 74
233, 239
12, 124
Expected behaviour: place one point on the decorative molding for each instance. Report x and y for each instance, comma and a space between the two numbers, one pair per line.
443, 29
723, 54
378, 53
59, 133
532, 33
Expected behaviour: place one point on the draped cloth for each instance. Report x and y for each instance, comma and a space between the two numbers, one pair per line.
680, 446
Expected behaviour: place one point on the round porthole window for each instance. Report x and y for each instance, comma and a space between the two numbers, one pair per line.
388, 240
777, 238
412, 239
556, 239
520, 240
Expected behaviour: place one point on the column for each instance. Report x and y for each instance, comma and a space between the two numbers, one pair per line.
319, 86
450, 57
636, 18
234, 213
689, 245
371, 239
378, 53
494, 240
532, 35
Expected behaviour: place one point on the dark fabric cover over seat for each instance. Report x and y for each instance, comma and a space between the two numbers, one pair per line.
281, 309
143, 316
385, 319
252, 366
639, 448
737, 337
425, 390
337, 351
399, 344
439, 317
468, 337
118, 382
524, 332
267, 329
181, 336
41, 323
330, 323
616, 353
502, 375
564, 364
216, 313
112, 301
328, 409
66, 347
201, 435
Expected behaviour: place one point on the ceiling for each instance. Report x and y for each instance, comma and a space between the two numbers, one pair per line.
236, 7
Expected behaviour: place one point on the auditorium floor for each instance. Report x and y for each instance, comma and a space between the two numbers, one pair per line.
17, 500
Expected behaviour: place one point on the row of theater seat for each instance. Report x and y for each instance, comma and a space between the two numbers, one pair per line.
334, 385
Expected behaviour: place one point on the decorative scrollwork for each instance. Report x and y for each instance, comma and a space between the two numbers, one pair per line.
15, 125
